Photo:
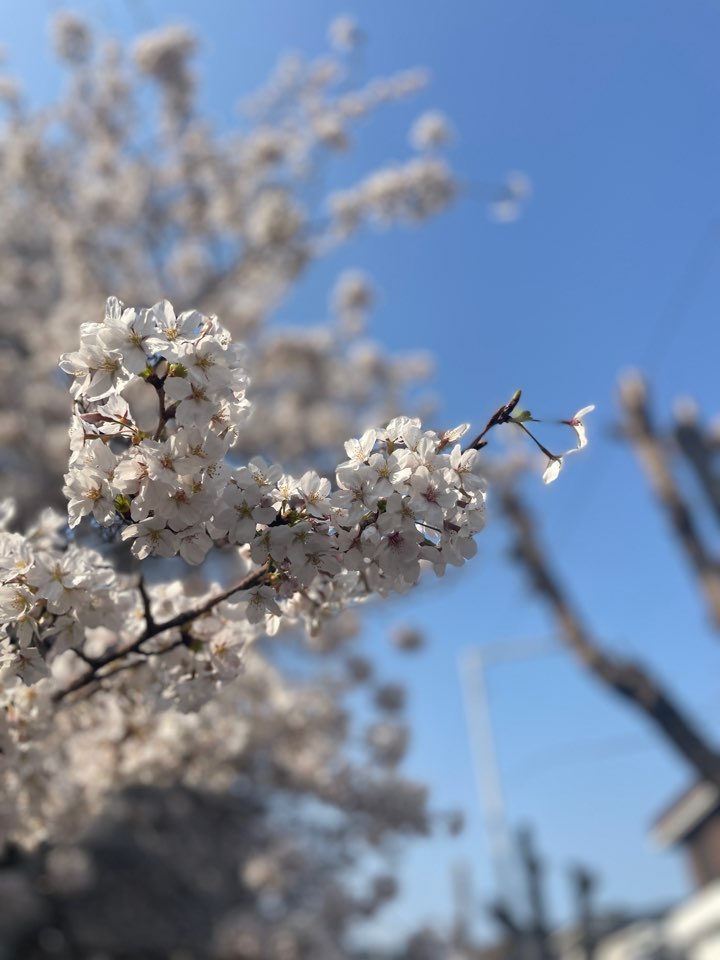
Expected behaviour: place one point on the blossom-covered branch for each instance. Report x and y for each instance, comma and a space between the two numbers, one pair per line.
159, 402
120, 666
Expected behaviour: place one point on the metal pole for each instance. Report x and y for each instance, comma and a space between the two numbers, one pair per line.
487, 773
473, 669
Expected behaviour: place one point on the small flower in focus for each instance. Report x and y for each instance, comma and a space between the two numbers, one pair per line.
552, 471
578, 426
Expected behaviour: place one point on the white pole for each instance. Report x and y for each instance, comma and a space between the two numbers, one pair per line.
473, 673
487, 773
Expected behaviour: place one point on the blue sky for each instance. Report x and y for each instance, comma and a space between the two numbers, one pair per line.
610, 108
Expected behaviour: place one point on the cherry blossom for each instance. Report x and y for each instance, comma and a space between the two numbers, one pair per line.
578, 426
144, 659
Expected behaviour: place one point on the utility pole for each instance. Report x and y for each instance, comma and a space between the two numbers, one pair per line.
462, 898
487, 773
534, 878
474, 663
513, 937
584, 883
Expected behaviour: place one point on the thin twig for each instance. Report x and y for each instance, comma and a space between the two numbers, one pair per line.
142, 589
501, 415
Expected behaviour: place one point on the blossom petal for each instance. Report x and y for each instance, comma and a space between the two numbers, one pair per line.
552, 470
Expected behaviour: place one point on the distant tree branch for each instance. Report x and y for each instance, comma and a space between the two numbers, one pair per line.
701, 451
626, 678
641, 432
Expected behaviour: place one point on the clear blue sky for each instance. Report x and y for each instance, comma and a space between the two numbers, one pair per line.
611, 108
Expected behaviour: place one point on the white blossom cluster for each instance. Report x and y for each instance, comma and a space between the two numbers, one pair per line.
430, 131
169, 479
51, 594
224, 222
407, 193
159, 402
405, 496
109, 679
261, 736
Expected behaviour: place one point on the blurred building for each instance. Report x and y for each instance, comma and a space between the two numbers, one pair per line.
689, 930
692, 823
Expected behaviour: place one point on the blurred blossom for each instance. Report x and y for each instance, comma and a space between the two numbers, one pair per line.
10, 90
508, 205
352, 297
519, 185
388, 742
353, 291
344, 33
385, 886
274, 219
198, 766
71, 36
430, 131
263, 872
163, 54
409, 193
330, 131
359, 669
407, 638
390, 697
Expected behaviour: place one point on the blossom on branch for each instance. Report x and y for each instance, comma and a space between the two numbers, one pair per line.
578, 426
111, 676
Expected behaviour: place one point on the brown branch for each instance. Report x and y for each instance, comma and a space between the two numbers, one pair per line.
97, 679
153, 629
501, 415
628, 679
144, 596
700, 452
163, 415
643, 436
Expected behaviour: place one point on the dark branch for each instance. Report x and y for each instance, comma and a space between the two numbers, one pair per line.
142, 589
501, 415
153, 629
626, 678
641, 432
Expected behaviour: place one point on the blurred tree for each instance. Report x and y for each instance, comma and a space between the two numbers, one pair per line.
197, 806
101, 195
691, 522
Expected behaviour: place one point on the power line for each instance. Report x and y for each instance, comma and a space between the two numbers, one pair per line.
697, 267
